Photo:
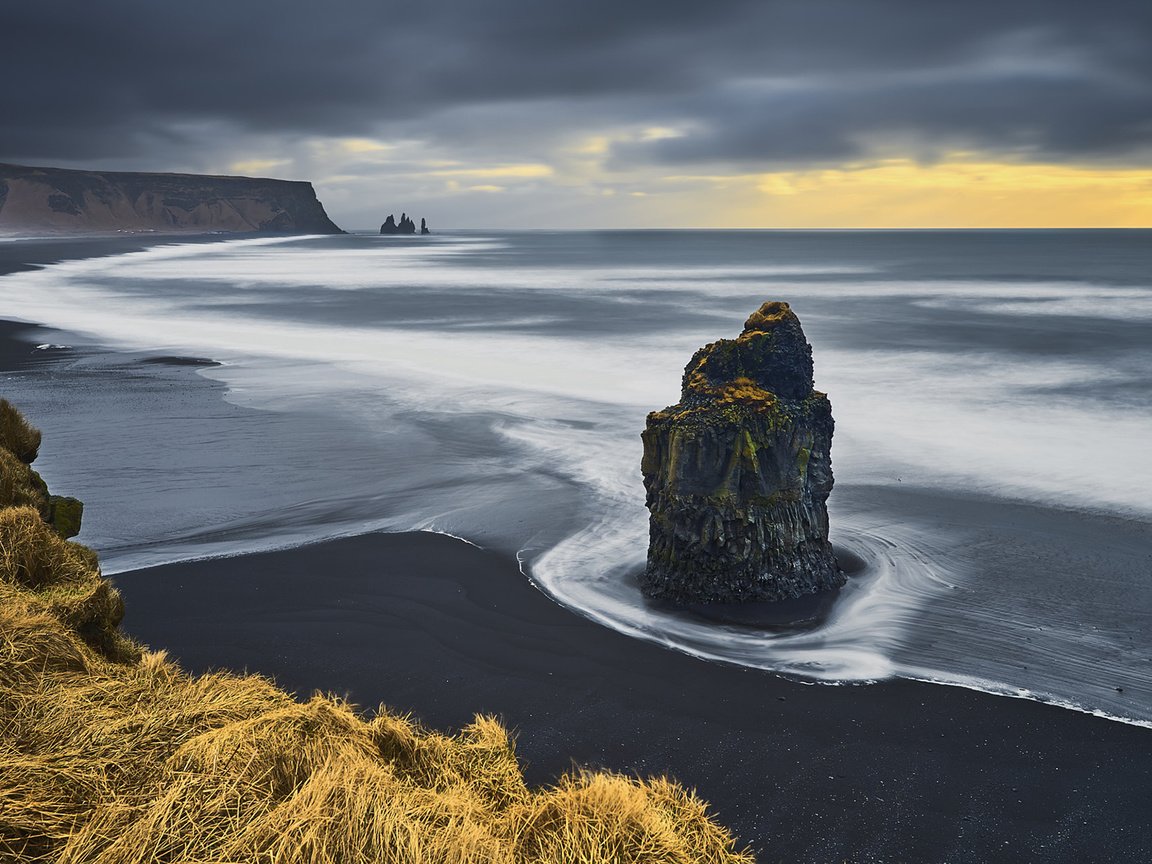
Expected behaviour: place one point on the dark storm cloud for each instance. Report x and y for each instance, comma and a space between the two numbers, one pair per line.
1015, 113
750, 82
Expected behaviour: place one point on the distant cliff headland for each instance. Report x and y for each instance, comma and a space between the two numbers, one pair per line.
59, 200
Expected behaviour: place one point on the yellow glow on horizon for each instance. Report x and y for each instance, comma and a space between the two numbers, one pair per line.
364, 145
657, 133
257, 166
526, 170
963, 190
901, 193
597, 145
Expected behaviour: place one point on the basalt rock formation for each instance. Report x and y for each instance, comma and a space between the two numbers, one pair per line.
405, 226
58, 200
737, 473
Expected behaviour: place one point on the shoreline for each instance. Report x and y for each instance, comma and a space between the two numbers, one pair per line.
891, 771
33, 253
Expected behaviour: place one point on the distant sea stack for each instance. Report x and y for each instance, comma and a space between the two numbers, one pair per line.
58, 200
404, 226
737, 473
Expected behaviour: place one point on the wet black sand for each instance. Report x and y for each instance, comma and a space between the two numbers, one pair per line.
18, 344
899, 771
32, 253
18, 339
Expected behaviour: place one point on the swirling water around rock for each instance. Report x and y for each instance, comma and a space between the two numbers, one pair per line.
502, 402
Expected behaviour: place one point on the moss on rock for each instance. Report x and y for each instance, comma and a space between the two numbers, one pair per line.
738, 472
66, 514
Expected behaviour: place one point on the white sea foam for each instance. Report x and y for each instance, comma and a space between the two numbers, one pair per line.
903, 414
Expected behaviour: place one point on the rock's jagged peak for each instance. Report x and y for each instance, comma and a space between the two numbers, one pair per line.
771, 314
769, 361
406, 225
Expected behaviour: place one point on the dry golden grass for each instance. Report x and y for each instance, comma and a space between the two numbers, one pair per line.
113, 756
65, 576
16, 435
20, 486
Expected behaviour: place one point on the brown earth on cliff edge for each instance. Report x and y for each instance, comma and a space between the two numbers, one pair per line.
59, 200
738, 473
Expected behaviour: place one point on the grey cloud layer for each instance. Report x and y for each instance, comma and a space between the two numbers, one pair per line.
750, 83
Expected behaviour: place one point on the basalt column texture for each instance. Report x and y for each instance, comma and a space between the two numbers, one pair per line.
739, 470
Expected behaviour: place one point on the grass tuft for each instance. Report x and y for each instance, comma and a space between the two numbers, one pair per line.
17, 435
34, 556
20, 486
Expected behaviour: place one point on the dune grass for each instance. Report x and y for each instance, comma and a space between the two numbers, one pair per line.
111, 754
17, 435
20, 486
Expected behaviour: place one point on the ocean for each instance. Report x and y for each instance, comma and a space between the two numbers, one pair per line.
992, 393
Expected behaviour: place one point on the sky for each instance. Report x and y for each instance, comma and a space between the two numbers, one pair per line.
630, 113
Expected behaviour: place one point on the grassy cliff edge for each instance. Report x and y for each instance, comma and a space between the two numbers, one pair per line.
112, 753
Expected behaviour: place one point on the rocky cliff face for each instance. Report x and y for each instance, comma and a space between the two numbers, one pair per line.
738, 472
64, 201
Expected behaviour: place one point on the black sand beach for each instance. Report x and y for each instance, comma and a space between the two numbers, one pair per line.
899, 771
31, 253
18, 339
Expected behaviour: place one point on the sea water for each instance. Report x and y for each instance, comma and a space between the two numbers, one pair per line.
992, 393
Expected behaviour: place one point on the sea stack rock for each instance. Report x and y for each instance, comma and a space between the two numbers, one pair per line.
404, 226
737, 473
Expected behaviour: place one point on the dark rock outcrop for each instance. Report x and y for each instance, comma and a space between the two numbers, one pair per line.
738, 472
404, 226
60, 200
66, 514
